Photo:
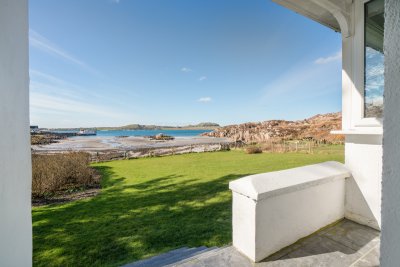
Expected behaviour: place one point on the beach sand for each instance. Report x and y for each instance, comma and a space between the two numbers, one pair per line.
104, 143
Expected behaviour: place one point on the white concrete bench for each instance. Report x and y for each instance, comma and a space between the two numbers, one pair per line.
274, 210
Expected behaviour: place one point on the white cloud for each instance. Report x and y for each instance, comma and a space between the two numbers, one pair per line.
40, 42
202, 78
58, 103
67, 106
205, 99
186, 69
49, 84
41, 82
374, 100
324, 60
38, 74
300, 82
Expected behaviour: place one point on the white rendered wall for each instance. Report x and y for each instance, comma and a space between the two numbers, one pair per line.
273, 210
15, 160
390, 240
284, 219
244, 224
363, 156
363, 144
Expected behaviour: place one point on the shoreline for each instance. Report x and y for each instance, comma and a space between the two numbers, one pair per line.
130, 143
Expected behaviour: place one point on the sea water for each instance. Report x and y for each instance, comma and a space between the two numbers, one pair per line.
175, 133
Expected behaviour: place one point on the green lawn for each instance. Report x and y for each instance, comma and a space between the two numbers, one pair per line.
149, 206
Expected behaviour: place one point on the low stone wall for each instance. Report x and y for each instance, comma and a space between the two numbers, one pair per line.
156, 152
107, 155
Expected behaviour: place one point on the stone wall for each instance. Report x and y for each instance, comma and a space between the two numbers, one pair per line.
107, 155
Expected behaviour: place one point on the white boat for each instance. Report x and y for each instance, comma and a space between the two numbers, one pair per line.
87, 132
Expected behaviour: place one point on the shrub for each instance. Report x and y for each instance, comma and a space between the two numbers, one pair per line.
253, 150
57, 172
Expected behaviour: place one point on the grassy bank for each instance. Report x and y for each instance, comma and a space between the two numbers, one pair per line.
152, 205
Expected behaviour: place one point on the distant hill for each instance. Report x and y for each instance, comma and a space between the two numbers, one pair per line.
316, 128
205, 125
200, 126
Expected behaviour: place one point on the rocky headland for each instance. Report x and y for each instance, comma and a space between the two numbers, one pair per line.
316, 128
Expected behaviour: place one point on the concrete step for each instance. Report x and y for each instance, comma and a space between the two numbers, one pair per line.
213, 252
208, 251
182, 256
143, 263
170, 258
201, 256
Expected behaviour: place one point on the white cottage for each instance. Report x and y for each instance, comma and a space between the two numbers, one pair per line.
270, 211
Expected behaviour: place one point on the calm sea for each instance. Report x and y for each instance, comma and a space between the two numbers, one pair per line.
175, 133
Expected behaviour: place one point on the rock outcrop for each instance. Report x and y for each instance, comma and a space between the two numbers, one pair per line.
316, 128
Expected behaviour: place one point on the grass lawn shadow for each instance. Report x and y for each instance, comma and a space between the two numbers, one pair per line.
150, 206
129, 222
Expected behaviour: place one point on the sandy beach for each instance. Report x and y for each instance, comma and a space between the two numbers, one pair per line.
104, 143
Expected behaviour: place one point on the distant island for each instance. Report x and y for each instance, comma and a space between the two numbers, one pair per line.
200, 126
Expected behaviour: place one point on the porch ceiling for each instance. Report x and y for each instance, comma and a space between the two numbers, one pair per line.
326, 12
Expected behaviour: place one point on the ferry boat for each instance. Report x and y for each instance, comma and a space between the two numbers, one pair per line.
87, 132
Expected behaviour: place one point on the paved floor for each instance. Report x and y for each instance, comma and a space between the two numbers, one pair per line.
343, 244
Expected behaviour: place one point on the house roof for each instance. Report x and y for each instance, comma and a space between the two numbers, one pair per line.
330, 13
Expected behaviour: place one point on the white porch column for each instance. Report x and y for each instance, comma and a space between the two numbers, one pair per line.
363, 145
390, 244
15, 159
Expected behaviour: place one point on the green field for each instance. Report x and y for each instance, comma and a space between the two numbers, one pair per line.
153, 205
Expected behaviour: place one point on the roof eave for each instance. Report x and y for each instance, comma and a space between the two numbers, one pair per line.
309, 9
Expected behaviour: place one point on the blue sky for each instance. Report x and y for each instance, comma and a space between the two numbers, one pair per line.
178, 62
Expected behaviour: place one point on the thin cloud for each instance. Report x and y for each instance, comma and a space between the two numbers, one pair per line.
39, 75
302, 80
45, 83
40, 42
332, 58
67, 106
186, 69
202, 78
204, 99
115, 1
